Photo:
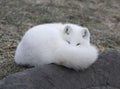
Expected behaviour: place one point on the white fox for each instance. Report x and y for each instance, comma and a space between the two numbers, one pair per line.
63, 44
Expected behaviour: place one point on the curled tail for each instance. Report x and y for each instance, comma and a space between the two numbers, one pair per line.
76, 57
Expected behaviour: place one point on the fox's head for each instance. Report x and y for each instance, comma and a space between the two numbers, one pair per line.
76, 35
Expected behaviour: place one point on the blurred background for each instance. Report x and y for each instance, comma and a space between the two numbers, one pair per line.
102, 17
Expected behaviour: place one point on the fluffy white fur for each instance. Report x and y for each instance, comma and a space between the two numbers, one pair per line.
64, 44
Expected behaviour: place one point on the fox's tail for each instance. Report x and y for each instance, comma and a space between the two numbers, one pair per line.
76, 57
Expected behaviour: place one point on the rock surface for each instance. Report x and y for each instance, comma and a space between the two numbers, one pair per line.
104, 74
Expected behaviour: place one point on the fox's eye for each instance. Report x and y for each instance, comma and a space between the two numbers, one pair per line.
77, 44
68, 42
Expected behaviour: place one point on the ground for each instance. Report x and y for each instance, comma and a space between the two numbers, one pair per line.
102, 17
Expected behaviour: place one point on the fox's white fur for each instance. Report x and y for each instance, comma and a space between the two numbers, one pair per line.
64, 44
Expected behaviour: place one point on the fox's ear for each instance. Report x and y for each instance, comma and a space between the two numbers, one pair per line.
67, 30
86, 33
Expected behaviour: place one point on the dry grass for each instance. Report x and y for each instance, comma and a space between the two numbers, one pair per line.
102, 17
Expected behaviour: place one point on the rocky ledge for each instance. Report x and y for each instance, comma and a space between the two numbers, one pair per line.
104, 74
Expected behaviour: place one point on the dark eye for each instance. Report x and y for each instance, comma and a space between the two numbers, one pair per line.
77, 44
68, 42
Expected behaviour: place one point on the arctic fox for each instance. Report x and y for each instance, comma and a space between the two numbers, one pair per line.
63, 44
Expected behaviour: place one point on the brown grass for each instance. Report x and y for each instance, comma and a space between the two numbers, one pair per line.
102, 17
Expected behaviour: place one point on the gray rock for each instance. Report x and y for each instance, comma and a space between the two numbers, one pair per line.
104, 74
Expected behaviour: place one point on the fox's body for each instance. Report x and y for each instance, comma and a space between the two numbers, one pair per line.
63, 44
